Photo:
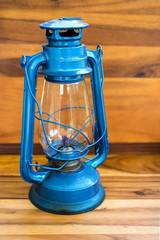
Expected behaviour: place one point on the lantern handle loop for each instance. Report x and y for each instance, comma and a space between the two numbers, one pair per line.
99, 54
30, 66
101, 148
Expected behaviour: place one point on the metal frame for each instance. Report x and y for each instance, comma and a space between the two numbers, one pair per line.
31, 65
64, 60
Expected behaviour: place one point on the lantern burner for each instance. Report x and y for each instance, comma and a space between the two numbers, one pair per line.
69, 166
69, 148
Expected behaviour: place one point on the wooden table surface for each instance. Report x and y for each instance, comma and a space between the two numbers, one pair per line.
130, 210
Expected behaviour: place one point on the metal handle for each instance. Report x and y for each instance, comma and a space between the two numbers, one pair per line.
102, 147
30, 65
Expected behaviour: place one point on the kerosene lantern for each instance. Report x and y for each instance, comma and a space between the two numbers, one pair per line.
68, 126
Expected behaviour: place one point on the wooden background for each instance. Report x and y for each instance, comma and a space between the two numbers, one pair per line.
130, 210
129, 32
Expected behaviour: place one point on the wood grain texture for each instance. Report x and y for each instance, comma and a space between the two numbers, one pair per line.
85, 237
75, 229
119, 61
122, 22
130, 187
131, 115
129, 32
115, 165
130, 210
123, 177
114, 148
110, 212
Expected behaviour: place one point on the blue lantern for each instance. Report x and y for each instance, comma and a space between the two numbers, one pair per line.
68, 126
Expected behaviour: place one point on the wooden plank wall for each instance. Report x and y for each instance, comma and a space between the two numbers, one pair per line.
129, 32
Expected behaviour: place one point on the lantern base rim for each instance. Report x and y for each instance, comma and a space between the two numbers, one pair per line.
69, 192
66, 208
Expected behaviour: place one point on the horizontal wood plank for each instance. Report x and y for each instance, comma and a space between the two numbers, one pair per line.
110, 6
128, 31
85, 237
114, 148
76, 229
119, 28
131, 115
119, 62
115, 187
123, 96
23, 212
115, 165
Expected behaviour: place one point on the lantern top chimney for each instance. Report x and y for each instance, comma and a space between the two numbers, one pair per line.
64, 23
64, 32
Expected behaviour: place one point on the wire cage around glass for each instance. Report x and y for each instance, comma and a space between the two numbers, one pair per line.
66, 129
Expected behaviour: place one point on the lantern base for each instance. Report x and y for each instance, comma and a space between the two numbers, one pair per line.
69, 193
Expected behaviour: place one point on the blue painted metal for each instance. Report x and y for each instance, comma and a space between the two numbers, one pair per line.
64, 23
56, 26
64, 60
94, 59
31, 64
69, 193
